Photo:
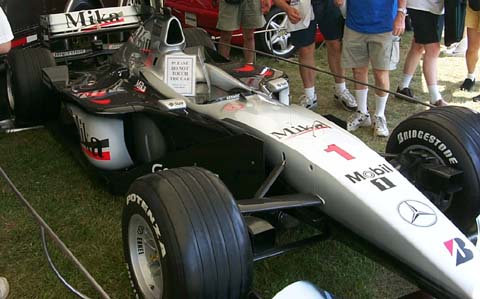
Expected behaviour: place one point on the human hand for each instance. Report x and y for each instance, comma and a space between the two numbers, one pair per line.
293, 15
339, 3
399, 24
266, 5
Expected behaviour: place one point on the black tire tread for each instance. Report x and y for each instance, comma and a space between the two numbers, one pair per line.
34, 103
202, 215
461, 125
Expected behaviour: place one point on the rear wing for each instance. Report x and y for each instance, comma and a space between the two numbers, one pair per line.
95, 21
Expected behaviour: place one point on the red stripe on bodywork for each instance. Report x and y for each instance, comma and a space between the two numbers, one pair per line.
19, 42
105, 155
101, 102
95, 27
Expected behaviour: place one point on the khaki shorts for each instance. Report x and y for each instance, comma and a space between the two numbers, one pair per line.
382, 50
472, 19
248, 15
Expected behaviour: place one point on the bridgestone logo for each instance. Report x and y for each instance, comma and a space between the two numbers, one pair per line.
370, 173
430, 138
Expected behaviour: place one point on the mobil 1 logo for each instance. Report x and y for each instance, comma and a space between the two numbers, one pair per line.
375, 175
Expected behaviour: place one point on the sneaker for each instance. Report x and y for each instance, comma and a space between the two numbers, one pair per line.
467, 84
476, 98
346, 99
440, 103
357, 120
4, 288
307, 102
456, 49
405, 91
380, 126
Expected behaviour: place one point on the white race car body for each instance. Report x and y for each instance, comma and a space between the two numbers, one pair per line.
360, 188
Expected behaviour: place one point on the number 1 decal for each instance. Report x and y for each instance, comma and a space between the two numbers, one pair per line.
340, 151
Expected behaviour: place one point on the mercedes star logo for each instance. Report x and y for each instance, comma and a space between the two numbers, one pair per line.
417, 213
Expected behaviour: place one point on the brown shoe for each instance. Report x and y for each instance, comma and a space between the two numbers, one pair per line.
441, 103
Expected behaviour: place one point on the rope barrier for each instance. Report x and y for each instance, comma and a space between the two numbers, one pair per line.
45, 228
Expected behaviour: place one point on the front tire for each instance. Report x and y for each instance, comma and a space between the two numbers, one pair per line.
277, 41
447, 136
184, 237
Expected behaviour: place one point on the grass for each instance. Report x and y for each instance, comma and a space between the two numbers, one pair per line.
87, 218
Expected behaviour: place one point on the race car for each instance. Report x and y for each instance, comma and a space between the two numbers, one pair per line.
213, 160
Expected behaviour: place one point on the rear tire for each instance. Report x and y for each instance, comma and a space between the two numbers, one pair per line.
184, 237
30, 100
77, 5
451, 137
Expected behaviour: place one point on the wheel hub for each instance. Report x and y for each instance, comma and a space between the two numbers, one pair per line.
145, 258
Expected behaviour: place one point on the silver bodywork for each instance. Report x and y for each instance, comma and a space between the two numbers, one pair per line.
434, 249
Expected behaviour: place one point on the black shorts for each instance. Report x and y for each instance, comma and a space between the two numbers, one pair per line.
427, 27
329, 20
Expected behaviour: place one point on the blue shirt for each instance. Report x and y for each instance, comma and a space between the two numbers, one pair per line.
371, 16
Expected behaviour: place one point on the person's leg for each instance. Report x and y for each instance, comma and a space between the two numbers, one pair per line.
306, 56
382, 80
224, 42
228, 21
304, 41
430, 71
249, 45
361, 118
355, 55
411, 62
473, 41
331, 23
251, 18
361, 91
334, 54
422, 22
471, 56
341, 93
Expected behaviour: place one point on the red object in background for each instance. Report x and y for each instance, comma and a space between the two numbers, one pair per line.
204, 14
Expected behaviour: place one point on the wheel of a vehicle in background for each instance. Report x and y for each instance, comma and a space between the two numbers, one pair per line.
447, 136
29, 99
76, 5
274, 38
184, 237
198, 37
152, 3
